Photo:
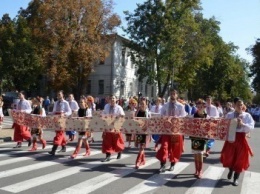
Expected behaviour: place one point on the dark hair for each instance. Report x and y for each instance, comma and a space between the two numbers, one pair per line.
200, 101
61, 91
112, 95
236, 99
217, 104
22, 92
173, 90
208, 96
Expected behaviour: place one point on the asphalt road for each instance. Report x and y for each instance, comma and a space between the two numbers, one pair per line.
37, 172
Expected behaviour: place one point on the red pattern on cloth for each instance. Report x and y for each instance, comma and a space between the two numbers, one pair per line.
196, 127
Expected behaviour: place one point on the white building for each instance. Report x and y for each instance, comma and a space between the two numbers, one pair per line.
117, 75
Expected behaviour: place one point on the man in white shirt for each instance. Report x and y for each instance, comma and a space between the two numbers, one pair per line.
112, 141
171, 145
74, 108
62, 108
157, 107
22, 132
212, 112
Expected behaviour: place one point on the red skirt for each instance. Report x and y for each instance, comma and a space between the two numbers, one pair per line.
171, 147
236, 155
59, 138
112, 142
21, 132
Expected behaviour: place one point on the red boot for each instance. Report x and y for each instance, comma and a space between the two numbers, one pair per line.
143, 159
138, 160
34, 147
87, 150
75, 153
43, 143
200, 163
196, 168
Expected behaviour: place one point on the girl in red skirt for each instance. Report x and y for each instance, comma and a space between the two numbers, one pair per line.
235, 155
84, 111
141, 139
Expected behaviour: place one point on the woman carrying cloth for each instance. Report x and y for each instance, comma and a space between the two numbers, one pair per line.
235, 155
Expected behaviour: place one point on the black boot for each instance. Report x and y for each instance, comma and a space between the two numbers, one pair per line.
107, 157
162, 168
236, 176
119, 155
63, 149
18, 145
53, 150
230, 174
172, 166
29, 142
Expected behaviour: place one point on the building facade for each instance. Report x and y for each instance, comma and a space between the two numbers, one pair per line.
117, 75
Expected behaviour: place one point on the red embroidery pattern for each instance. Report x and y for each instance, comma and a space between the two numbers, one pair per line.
206, 128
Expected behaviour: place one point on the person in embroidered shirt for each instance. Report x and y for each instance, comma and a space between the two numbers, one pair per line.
212, 112
61, 107
235, 155
157, 107
22, 132
92, 105
132, 105
171, 145
198, 144
156, 111
84, 136
74, 108
112, 141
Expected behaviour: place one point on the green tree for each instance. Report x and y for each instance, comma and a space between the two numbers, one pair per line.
19, 61
160, 32
255, 67
71, 36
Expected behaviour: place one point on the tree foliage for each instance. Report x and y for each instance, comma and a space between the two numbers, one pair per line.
172, 43
18, 59
165, 35
71, 36
255, 67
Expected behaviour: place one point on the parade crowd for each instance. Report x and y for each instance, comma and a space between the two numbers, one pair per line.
234, 155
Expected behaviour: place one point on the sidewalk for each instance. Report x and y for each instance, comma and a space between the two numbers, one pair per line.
6, 135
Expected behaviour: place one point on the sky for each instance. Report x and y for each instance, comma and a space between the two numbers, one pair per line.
240, 19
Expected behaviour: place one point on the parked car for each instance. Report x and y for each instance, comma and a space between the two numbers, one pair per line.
9, 98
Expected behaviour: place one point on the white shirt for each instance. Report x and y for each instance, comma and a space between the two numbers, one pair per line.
116, 110
73, 105
62, 107
24, 106
1, 112
177, 110
247, 119
212, 111
156, 109
89, 112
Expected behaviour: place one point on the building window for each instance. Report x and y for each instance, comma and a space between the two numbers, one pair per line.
102, 60
122, 88
152, 91
100, 86
123, 56
146, 89
89, 87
